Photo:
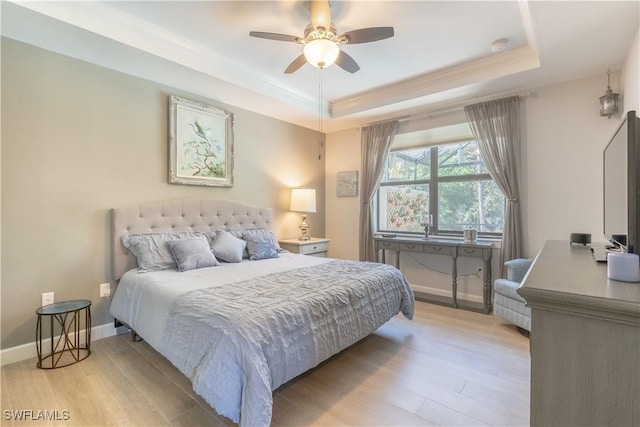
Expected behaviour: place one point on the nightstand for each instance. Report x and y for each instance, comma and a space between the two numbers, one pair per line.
314, 247
73, 344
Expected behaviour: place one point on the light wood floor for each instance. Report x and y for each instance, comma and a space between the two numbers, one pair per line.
446, 367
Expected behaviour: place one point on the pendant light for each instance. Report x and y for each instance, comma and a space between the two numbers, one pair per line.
609, 101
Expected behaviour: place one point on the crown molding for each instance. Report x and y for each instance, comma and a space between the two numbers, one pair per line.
105, 21
527, 24
108, 22
491, 67
497, 65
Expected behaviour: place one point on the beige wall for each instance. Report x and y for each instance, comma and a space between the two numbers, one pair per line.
562, 168
343, 213
77, 140
630, 82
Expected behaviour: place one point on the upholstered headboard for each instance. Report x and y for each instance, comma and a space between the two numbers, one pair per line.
178, 215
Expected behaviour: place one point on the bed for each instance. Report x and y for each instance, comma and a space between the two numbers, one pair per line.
240, 329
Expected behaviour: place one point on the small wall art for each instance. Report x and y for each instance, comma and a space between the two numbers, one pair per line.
200, 144
347, 184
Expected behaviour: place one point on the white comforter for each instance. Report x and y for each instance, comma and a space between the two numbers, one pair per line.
238, 339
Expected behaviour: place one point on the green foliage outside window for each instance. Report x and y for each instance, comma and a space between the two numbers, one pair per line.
467, 197
471, 204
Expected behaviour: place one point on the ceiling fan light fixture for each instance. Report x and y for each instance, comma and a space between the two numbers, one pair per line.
322, 43
321, 53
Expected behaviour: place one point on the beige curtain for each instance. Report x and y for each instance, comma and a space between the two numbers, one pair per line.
376, 141
496, 128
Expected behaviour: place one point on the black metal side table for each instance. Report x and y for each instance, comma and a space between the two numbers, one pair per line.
67, 348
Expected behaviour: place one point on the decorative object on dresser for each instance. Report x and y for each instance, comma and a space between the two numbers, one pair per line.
200, 144
623, 266
507, 304
452, 248
303, 200
580, 238
314, 246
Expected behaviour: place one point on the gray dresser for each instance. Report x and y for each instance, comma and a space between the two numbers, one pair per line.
585, 341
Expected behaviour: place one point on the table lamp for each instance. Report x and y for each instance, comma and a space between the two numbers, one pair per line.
303, 200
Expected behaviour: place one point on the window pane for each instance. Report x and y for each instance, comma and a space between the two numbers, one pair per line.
408, 165
401, 207
475, 204
466, 195
460, 159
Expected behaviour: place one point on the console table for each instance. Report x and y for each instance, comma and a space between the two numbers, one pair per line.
452, 248
585, 340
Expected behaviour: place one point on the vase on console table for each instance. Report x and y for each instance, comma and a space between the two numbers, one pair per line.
427, 231
427, 220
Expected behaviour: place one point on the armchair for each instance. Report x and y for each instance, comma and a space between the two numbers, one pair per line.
507, 304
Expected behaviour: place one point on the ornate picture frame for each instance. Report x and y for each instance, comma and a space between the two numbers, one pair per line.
200, 144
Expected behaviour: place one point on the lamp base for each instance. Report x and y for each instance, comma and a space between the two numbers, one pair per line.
304, 229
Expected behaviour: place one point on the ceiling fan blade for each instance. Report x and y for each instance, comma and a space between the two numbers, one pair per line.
296, 64
366, 35
346, 62
274, 36
320, 14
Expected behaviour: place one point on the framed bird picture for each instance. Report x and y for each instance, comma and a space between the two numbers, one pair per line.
200, 144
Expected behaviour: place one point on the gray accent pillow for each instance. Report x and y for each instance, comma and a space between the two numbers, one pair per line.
260, 246
151, 251
190, 254
227, 247
248, 232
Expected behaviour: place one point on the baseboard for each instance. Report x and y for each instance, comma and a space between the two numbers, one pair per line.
28, 351
446, 293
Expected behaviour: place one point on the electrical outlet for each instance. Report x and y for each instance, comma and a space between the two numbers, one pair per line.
47, 298
105, 290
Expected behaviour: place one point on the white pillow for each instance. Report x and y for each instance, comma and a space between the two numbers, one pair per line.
227, 247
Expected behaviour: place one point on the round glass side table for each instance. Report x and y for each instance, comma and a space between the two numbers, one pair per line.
69, 344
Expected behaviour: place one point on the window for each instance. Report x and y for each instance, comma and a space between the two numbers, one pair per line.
448, 183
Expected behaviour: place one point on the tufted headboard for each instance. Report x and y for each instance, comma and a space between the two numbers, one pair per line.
178, 215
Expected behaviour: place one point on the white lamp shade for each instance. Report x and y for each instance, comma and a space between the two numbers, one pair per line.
321, 52
303, 200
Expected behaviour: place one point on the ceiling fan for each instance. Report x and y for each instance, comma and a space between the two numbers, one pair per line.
321, 40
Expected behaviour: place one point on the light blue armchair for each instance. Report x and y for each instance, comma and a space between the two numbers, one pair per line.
507, 304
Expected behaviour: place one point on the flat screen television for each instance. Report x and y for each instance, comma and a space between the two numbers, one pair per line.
621, 167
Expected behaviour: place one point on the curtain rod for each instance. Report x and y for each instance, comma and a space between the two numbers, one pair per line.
446, 110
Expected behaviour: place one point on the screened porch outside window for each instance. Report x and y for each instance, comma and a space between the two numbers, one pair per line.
448, 184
